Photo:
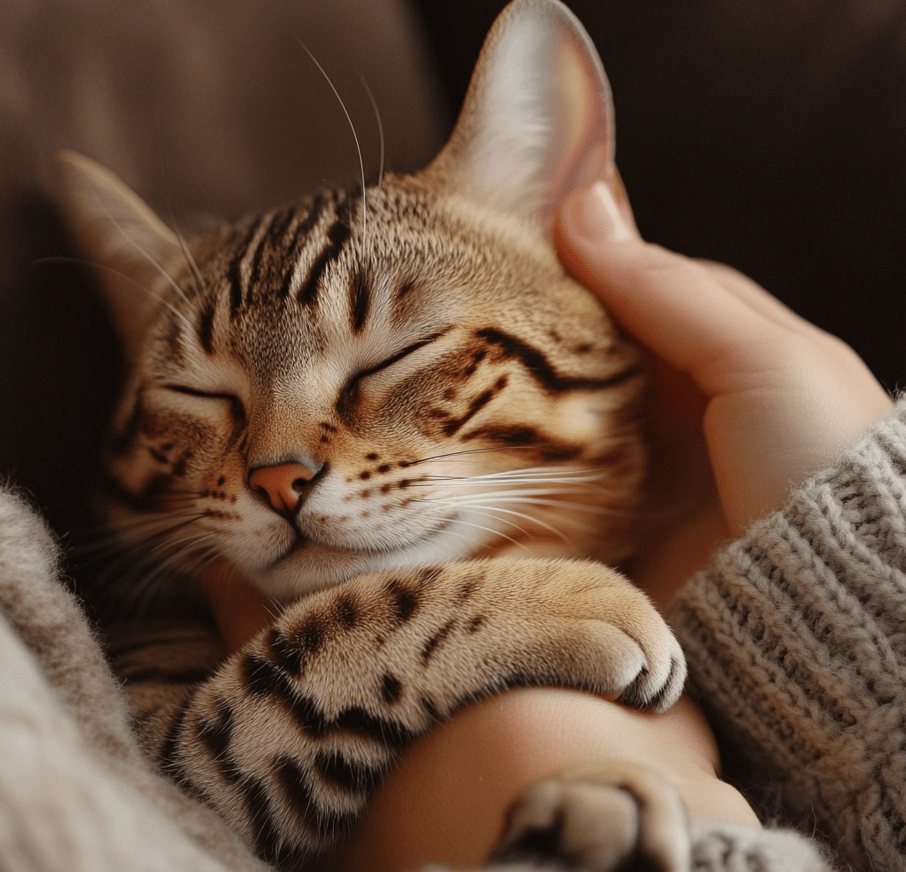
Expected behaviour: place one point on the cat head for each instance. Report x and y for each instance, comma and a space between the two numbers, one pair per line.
396, 376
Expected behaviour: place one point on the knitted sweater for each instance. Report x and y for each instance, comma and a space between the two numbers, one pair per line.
796, 641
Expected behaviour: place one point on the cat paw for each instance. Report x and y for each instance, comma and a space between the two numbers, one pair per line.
596, 623
611, 816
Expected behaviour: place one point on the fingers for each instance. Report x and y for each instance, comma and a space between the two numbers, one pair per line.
705, 319
764, 304
782, 397
691, 314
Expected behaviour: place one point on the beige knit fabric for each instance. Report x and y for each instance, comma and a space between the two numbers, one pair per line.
796, 641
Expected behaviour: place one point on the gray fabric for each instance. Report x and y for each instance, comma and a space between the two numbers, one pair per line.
796, 641
75, 792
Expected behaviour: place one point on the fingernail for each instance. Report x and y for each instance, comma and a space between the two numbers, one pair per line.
597, 215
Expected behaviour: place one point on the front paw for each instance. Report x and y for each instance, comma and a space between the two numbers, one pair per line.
600, 630
600, 818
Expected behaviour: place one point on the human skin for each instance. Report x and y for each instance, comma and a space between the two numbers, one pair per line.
447, 800
750, 399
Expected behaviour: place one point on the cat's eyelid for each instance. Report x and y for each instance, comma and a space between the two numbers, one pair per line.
204, 394
199, 392
405, 352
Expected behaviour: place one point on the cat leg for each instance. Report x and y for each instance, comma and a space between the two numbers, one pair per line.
291, 735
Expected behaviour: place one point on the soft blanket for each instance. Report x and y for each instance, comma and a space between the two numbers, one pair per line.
75, 792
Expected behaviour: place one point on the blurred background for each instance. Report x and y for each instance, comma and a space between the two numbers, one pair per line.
769, 134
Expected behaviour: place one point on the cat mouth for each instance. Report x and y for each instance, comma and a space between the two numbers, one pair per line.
305, 543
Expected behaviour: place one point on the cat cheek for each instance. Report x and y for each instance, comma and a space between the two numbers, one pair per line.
579, 421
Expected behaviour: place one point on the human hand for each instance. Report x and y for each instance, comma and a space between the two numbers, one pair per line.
750, 399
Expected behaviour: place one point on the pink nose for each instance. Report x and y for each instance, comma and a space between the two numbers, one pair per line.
282, 484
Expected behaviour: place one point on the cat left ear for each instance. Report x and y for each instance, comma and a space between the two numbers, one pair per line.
122, 237
537, 122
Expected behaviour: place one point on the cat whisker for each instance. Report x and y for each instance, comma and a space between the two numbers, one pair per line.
491, 530
80, 261
355, 137
155, 536
145, 254
547, 473
572, 506
380, 127
467, 451
182, 555
563, 488
494, 509
144, 527
191, 263
176, 542
133, 571
520, 498
158, 523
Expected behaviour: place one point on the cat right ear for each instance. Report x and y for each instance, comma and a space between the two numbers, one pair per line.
127, 244
537, 121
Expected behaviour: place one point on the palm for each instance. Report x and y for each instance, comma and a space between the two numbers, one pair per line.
684, 517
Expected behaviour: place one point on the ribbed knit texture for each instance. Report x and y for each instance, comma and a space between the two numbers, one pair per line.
796, 642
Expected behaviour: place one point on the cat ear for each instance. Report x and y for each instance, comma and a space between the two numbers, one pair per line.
126, 243
537, 121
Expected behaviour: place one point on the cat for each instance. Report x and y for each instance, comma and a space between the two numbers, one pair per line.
390, 409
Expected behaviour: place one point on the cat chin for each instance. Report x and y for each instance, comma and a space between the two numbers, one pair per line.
315, 566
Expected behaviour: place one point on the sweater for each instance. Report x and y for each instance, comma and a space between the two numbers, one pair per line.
795, 637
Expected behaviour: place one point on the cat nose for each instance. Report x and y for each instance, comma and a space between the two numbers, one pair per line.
283, 484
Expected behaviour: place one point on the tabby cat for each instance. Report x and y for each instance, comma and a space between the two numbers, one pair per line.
390, 410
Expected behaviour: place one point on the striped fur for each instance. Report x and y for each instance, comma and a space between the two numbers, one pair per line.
391, 410
288, 737
416, 363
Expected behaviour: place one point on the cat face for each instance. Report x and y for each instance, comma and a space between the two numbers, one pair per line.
363, 381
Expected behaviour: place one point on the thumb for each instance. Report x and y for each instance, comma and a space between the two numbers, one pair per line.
680, 308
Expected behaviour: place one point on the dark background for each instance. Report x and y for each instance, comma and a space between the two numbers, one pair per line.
769, 134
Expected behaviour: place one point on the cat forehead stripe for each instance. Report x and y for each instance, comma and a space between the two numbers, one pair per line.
234, 273
266, 255
300, 232
337, 236
272, 230
359, 299
206, 327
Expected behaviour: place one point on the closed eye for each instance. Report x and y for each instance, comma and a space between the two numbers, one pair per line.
396, 358
350, 389
236, 407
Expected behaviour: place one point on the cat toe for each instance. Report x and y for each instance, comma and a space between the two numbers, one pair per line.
613, 816
659, 691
